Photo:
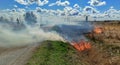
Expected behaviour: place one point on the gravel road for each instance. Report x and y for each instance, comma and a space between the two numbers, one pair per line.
16, 56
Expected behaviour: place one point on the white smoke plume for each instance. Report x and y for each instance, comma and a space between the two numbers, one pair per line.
23, 28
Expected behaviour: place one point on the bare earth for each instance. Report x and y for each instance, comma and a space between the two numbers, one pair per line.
16, 56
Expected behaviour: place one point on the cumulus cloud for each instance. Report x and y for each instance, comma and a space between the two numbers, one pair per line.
30, 2
60, 3
23, 2
113, 13
96, 3
110, 14
89, 9
67, 9
60, 12
41, 3
71, 11
76, 6
74, 12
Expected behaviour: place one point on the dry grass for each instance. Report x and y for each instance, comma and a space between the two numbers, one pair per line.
99, 55
105, 50
110, 35
106, 46
59, 53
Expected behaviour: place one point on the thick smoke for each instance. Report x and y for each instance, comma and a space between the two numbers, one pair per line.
19, 28
74, 33
23, 28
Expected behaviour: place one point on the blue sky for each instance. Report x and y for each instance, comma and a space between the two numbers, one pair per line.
9, 4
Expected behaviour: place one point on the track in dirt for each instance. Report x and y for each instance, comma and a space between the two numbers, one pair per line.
16, 56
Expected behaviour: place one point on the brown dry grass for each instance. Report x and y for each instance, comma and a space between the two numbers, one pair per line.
105, 49
110, 35
106, 46
98, 55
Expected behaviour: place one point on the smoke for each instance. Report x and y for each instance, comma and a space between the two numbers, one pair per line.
74, 32
19, 28
10, 38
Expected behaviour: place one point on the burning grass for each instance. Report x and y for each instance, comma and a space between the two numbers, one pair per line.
108, 42
110, 35
60, 53
57, 53
82, 45
102, 52
53, 53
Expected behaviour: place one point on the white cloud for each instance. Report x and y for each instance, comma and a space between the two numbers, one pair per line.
76, 6
23, 2
60, 12
21, 10
66, 11
68, 8
71, 11
30, 2
89, 9
52, 4
74, 12
59, 3
96, 2
113, 13
41, 3
15, 6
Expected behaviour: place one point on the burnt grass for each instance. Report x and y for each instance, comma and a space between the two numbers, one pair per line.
105, 50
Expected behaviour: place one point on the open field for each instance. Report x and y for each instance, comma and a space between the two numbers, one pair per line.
110, 35
105, 50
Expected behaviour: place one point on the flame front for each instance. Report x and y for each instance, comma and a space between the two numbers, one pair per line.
82, 45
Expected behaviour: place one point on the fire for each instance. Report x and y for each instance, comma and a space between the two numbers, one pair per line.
97, 30
82, 45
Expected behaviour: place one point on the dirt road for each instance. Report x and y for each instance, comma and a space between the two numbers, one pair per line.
16, 56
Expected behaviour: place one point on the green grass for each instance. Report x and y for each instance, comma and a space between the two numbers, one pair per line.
60, 53
54, 53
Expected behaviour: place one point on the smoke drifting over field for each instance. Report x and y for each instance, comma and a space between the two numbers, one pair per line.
18, 29
23, 28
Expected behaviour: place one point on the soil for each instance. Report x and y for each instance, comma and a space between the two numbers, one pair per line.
16, 55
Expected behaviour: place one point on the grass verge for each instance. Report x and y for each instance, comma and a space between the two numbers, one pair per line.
54, 53
60, 53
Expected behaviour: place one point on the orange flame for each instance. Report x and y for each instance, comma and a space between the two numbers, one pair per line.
97, 30
82, 45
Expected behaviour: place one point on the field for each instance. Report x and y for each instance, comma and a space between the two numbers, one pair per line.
111, 33
105, 50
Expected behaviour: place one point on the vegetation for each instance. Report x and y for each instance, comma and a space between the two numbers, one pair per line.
53, 53
102, 52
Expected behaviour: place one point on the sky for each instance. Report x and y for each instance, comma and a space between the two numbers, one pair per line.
101, 5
